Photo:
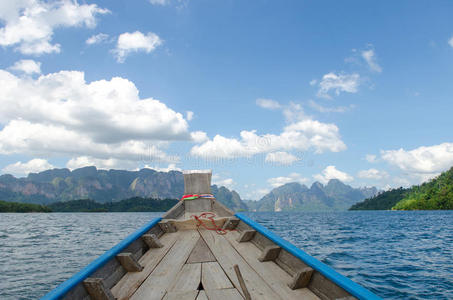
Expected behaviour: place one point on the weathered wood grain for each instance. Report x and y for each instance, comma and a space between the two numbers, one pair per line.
187, 295
200, 253
163, 276
246, 236
129, 263
188, 279
270, 253
270, 272
213, 277
230, 294
132, 281
95, 287
227, 257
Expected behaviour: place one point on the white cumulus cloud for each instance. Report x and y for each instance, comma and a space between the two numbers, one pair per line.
97, 39
450, 41
267, 103
62, 114
371, 158
303, 135
135, 42
28, 66
372, 174
32, 166
429, 160
370, 58
331, 172
338, 83
29, 24
293, 177
281, 158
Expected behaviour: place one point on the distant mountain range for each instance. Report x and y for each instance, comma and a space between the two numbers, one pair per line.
334, 196
102, 186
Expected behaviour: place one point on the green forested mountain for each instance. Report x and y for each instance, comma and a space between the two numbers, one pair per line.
102, 186
6, 207
382, 201
334, 196
434, 194
135, 204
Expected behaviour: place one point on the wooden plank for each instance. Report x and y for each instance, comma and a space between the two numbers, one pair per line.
221, 210
270, 272
213, 277
190, 223
231, 223
187, 295
129, 263
270, 253
163, 276
188, 278
244, 289
202, 296
230, 294
227, 256
197, 205
96, 289
131, 281
246, 236
152, 241
301, 279
168, 226
175, 212
200, 253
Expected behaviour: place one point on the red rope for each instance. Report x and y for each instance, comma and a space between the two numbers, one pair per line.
209, 216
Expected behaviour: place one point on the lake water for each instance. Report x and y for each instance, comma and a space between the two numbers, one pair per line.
397, 255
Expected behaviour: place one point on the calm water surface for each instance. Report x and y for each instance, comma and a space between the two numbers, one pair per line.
398, 255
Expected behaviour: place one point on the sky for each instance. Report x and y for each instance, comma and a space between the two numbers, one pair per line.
261, 92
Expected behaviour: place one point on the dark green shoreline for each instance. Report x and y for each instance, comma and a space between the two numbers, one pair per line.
135, 204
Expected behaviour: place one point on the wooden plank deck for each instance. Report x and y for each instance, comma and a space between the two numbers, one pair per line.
198, 265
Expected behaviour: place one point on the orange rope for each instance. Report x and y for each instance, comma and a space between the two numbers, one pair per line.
209, 216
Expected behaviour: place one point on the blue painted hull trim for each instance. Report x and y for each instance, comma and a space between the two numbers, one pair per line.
66, 286
347, 284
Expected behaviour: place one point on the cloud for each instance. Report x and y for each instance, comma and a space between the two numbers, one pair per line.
330, 172
293, 177
97, 39
325, 109
371, 158
62, 114
294, 112
281, 158
226, 182
29, 24
450, 41
32, 166
303, 135
135, 42
189, 115
267, 103
370, 57
199, 136
426, 160
170, 167
159, 2
107, 164
28, 66
338, 83
372, 174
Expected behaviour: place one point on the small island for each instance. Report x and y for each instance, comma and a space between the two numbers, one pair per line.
436, 194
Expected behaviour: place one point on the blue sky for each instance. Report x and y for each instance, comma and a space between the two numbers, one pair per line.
262, 92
